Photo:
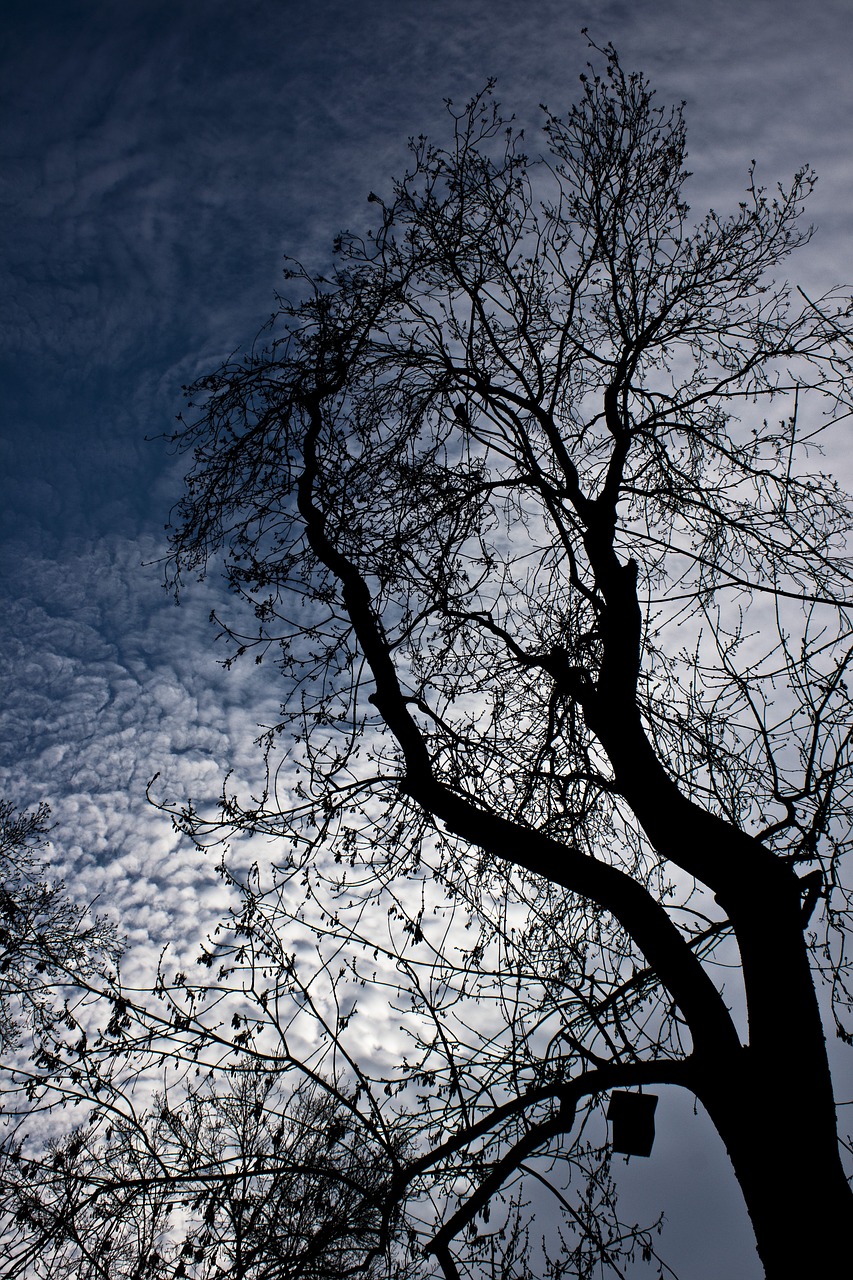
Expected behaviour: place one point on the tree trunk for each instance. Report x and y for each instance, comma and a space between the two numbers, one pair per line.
780, 1134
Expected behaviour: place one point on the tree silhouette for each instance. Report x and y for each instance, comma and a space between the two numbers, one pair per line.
563, 621
43, 934
562, 614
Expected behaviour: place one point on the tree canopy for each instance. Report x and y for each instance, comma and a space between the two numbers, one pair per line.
522, 496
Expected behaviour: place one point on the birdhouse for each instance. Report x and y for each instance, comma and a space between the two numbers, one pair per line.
633, 1118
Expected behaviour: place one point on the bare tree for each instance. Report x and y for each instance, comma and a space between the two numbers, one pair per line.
170, 1131
43, 934
563, 619
501, 492
238, 1180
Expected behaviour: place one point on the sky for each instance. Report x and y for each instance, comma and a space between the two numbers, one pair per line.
159, 159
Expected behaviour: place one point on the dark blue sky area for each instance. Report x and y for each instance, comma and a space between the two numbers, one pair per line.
160, 157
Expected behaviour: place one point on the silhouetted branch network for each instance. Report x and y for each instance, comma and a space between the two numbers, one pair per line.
563, 624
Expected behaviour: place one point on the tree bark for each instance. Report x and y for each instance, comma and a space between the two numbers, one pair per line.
782, 1143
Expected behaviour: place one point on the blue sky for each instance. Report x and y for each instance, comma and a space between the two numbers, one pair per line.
159, 157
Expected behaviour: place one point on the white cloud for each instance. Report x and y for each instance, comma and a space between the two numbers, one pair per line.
111, 685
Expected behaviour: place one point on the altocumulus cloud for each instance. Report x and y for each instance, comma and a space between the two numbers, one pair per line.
111, 684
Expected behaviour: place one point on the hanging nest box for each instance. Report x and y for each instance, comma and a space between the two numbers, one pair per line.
632, 1116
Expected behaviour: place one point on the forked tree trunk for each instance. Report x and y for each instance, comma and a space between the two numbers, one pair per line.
771, 1103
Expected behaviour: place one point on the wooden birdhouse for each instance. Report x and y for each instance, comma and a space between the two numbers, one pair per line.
632, 1116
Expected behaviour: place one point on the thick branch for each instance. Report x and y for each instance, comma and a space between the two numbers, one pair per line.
635, 909
718, 854
590, 1082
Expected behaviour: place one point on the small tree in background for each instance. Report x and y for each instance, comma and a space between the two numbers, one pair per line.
166, 1133
563, 621
43, 935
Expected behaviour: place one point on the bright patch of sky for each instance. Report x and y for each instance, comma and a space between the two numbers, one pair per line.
158, 160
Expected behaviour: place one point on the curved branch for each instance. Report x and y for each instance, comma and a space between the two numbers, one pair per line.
636, 910
591, 1082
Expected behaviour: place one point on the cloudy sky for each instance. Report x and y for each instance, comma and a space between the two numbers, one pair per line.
159, 157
